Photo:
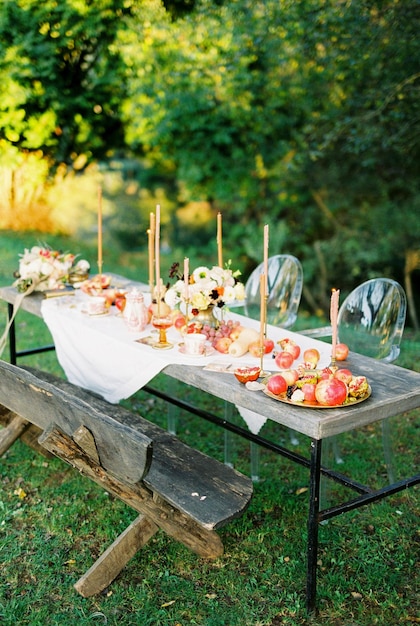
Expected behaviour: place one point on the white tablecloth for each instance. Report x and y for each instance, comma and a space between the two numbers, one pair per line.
101, 354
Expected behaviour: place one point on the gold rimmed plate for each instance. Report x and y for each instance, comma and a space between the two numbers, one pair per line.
309, 405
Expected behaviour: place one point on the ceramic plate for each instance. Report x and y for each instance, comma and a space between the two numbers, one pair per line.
208, 351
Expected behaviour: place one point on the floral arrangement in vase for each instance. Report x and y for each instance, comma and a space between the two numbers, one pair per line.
206, 287
41, 268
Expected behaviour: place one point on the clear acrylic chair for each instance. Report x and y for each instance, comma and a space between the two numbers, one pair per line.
371, 322
285, 282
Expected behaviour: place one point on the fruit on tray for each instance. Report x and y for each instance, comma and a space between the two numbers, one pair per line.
326, 387
277, 384
330, 391
290, 376
358, 387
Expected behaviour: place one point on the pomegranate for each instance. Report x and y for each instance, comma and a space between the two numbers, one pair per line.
245, 374
331, 392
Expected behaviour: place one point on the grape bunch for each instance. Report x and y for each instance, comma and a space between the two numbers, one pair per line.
224, 330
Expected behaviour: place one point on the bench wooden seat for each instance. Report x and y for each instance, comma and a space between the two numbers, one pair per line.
175, 488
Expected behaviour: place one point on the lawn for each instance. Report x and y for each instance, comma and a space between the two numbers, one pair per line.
55, 523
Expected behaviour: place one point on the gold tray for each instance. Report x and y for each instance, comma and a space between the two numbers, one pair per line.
308, 405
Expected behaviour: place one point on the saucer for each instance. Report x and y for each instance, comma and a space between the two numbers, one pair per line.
103, 314
208, 351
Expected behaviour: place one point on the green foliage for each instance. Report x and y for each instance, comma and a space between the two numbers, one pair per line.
64, 78
270, 110
303, 115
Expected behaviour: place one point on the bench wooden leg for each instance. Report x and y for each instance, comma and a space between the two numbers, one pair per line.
11, 432
115, 558
177, 524
29, 433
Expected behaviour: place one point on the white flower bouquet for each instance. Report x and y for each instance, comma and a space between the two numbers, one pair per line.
207, 287
42, 269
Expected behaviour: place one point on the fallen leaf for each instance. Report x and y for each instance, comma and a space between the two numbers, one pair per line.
20, 493
356, 595
301, 490
165, 604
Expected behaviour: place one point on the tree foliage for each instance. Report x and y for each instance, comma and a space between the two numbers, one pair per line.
304, 115
62, 76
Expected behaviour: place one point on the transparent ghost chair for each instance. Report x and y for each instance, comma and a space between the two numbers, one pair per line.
285, 282
371, 322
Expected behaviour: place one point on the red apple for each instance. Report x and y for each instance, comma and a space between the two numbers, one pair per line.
289, 345
255, 347
341, 352
277, 384
222, 344
344, 374
284, 360
308, 390
311, 358
290, 376
331, 392
268, 346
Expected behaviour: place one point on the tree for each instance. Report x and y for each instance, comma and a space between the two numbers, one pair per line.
64, 78
301, 114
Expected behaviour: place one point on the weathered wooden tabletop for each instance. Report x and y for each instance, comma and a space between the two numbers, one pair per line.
394, 390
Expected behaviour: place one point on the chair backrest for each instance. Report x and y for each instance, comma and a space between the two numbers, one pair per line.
285, 281
371, 319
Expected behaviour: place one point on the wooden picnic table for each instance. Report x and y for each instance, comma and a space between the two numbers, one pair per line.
395, 390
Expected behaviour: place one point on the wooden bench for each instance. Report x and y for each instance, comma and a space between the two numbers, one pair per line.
174, 487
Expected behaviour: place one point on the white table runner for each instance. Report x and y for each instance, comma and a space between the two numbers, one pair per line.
102, 355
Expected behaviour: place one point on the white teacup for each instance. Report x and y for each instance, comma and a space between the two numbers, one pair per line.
96, 305
194, 344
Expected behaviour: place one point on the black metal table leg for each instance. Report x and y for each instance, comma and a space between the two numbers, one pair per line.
14, 354
12, 335
313, 524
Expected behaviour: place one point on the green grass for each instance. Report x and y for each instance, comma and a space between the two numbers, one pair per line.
55, 523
